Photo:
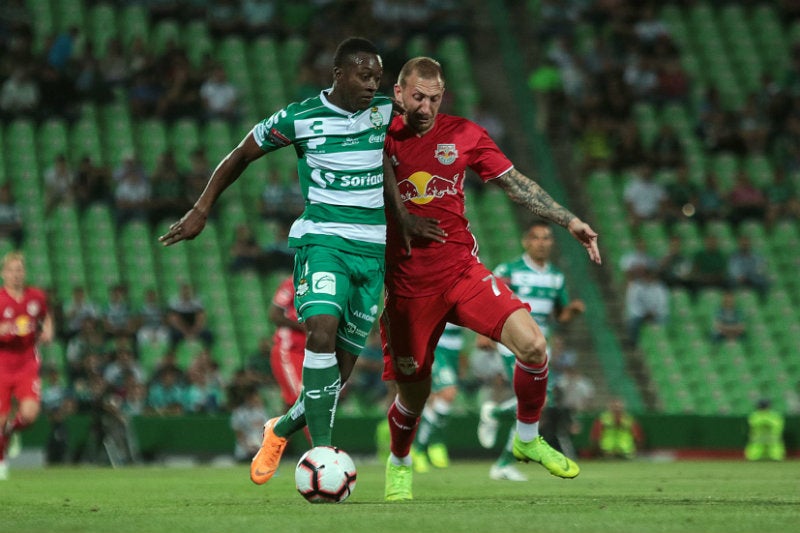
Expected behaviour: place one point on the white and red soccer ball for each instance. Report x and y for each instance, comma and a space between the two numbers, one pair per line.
325, 474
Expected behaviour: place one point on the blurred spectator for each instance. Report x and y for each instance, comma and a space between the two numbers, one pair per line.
646, 302
219, 96
640, 76
10, 217
181, 96
197, 176
60, 53
633, 261
683, 195
247, 422
615, 433
57, 94
78, 309
59, 184
629, 151
753, 126
765, 434
122, 365
186, 318
19, 94
710, 200
748, 268
132, 196
90, 85
258, 366
675, 267
487, 119
782, 198
673, 82
644, 196
92, 183
152, 317
245, 253
119, 319
223, 18
666, 151
166, 394
144, 94
281, 200
168, 199
260, 17
728, 324
746, 201
114, 65
203, 393
366, 379
709, 265
88, 344
278, 255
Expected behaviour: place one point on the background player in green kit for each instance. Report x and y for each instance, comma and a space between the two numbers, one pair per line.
538, 283
429, 447
338, 137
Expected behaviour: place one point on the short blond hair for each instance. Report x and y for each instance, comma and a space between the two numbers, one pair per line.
13, 255
425, 67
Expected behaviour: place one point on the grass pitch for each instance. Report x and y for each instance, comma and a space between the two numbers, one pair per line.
640, 496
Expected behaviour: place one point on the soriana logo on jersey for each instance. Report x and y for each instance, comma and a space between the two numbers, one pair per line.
446, 153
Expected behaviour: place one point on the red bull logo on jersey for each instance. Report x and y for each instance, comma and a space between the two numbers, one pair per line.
446, 153
422, 187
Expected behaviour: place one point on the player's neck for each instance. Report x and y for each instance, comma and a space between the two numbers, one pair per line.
15, 292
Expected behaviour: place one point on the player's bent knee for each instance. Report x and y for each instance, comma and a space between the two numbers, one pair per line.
533, 351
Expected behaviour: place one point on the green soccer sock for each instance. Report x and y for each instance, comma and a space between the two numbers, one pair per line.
506, 410
426, 429
441, 416
294, 420
507, 456
321, 385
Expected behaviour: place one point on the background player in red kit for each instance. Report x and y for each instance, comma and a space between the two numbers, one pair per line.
442, 282
288, 342
24, 321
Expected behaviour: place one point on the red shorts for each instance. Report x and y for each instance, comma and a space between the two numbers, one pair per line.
21, 383
287, 367
412, 326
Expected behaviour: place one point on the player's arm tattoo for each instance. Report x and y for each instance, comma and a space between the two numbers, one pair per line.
530, 194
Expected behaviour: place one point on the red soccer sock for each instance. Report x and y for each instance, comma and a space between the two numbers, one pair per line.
530, 387
402, 428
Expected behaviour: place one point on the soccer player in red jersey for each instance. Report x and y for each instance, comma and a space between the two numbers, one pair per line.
442, 282
288, 342
24, 321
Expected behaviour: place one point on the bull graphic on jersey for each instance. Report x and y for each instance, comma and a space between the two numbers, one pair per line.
422, 187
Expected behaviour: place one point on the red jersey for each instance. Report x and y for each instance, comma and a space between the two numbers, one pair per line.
26, 315
430, 174
291, 339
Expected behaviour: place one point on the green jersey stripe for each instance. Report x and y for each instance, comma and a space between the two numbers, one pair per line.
371, 233
343, 160
344, 214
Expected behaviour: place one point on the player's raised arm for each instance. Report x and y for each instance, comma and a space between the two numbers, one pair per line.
530, 194
228, 171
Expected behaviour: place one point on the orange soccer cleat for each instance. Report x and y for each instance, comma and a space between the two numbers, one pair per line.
265, 462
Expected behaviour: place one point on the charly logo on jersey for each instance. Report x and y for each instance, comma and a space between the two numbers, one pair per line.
446, 153
375, 117
422, 187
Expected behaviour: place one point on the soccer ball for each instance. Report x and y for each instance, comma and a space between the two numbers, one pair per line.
325, 474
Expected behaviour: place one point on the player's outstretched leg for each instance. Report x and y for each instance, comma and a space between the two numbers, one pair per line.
398, 481
487, 425
265, 462
539, 451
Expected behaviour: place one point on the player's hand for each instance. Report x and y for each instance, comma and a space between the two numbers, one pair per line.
416, 227
587, 237
186, 229
576, 307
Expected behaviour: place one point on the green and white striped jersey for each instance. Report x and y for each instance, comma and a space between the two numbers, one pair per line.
541, 289
340, 166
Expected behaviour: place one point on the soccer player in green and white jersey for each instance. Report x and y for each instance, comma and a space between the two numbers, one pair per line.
338, 137
538, 283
